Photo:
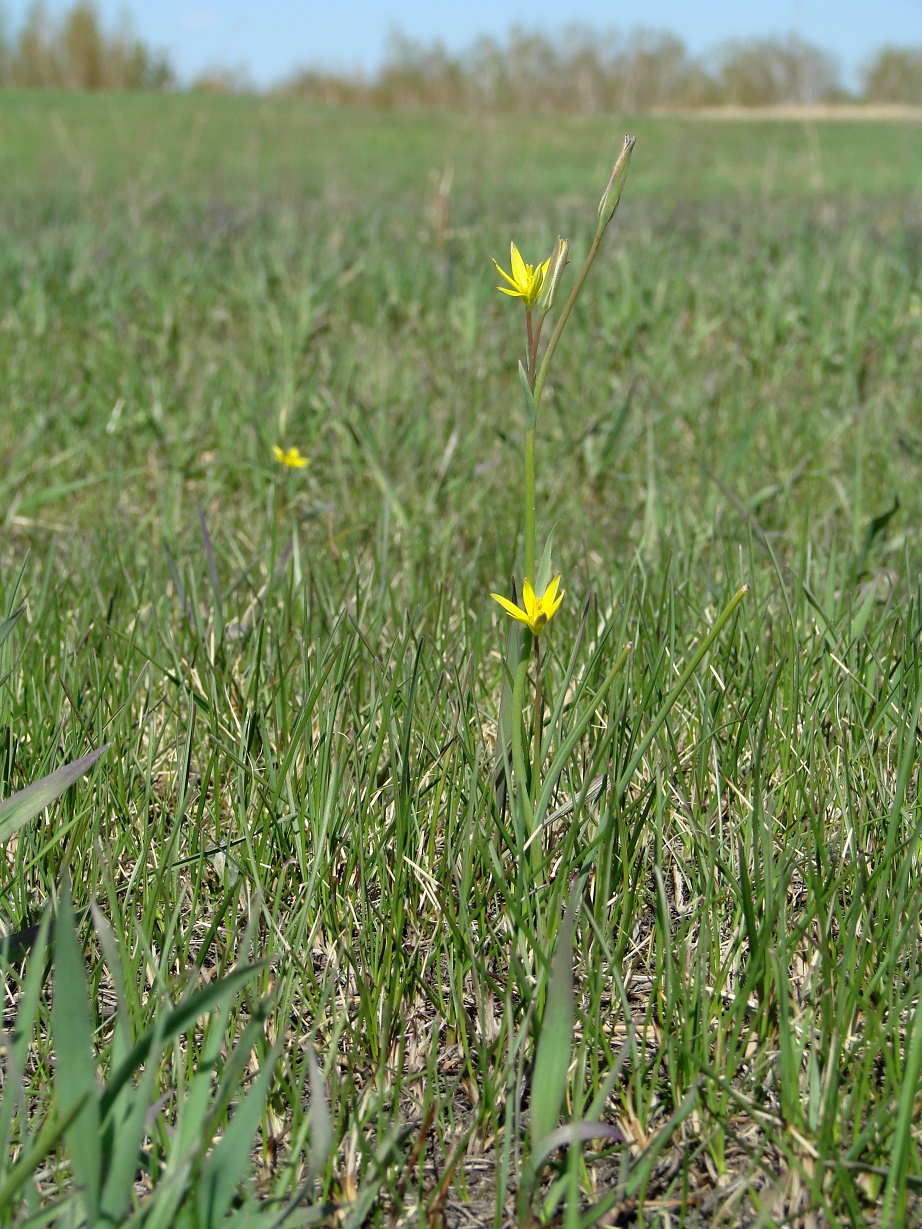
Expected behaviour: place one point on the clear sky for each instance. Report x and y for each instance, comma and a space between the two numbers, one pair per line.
269, 38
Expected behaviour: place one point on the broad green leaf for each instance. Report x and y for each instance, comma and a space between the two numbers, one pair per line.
543, 575
7, 625
321, 1123
31, 801
230, 1161
176, 1022
552, 1060
23, 1032
195, 1107
531, 410
124, 1140
895, 1201
574, 1133
24, 1169
75, 1059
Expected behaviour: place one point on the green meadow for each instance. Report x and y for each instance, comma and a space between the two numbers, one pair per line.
299, 674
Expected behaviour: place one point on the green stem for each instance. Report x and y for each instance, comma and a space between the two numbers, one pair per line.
531, 343
533, 355
539, 704
530, 504
565, 315
518, 749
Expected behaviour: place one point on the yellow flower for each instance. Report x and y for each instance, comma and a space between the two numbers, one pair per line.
537, 610
526, 280
290, 457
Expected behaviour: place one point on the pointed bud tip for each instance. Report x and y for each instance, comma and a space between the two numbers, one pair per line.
556, 263
612, 194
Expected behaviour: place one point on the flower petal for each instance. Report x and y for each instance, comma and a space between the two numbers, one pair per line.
503, 273
551, 591
529, 601
519, 268
510, 607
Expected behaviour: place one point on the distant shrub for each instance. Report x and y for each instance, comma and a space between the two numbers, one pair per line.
77, 53
766, 72
895, 75
581, 70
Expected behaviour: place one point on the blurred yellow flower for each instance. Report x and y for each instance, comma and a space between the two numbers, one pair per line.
537, 610
290, 458
526, 280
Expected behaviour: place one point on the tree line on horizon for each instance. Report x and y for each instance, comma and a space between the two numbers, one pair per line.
579, 70
589, 72
76, 52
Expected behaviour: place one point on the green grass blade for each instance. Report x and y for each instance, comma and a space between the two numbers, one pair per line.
75, 1059
552, 1058
125, 1139
684, 677
321, 1122
22, 1034
6, 627
31, 801
569, 744
177, 1021
895, 1191
46, 1141
228, 1163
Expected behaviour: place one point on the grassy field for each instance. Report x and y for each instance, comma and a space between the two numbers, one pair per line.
300, 674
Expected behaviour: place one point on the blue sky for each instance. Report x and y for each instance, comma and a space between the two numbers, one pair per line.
271, 37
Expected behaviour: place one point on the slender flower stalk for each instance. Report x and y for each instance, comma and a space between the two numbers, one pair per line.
530, 501
607, 207
537, 286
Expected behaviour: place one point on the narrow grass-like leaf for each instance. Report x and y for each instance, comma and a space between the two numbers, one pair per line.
543, 570
531, 411
574, 1133
176, 1022
31, 801
225, 1168
321, 1123
669, 702
48, 1138
22, 1034
568, 746
6, 627
124, 1138
639, 1174
894, 1209
75, 1059
552, 1057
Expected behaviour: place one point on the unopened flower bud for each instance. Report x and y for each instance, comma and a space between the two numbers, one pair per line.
556, 265
612, 194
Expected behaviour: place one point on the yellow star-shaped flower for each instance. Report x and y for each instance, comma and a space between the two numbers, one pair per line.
290, 457
526, 280
538, 611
